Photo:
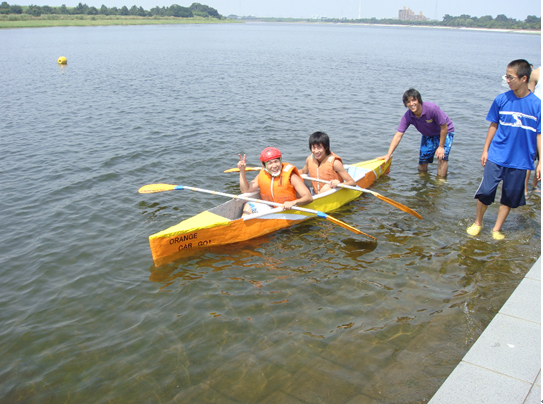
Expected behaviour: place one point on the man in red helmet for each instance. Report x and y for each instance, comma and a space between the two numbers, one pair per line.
278, 182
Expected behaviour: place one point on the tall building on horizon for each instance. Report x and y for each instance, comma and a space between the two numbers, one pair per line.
407, 14
360, 9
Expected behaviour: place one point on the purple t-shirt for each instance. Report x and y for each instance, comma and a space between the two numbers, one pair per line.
430, 121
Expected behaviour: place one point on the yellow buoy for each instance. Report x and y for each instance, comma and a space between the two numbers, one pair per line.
62, 60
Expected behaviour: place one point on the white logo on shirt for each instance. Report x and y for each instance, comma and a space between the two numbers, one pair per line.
518, 122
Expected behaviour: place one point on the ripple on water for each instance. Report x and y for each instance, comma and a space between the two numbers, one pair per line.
313, 312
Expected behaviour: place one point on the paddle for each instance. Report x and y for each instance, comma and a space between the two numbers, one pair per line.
383, 198
235, 170
152, 188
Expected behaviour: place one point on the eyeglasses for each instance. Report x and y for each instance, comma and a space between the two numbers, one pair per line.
509, 78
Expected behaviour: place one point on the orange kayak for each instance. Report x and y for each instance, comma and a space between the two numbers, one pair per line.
224, 225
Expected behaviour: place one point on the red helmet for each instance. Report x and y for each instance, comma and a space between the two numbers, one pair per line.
269, 153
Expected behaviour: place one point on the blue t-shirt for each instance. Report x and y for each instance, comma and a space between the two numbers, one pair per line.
519, 122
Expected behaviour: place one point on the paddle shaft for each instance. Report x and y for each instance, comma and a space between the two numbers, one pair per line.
340, 185
376, 194
247, 199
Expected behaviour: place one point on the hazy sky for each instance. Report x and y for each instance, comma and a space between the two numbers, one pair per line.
434, 9
518, 9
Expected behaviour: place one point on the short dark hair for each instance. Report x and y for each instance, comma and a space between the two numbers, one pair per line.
320, 138
411, 93
522, 67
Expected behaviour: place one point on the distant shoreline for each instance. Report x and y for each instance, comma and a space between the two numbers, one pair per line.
95, 21
89, 21
509, 30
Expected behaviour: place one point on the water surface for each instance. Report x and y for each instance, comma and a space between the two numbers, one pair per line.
310, 314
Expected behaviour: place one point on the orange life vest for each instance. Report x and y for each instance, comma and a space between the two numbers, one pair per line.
324, 171
277, 189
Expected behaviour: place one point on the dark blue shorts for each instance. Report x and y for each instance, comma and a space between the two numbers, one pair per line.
512, 187
429, 145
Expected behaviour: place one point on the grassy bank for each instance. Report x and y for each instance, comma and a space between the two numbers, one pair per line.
56, 20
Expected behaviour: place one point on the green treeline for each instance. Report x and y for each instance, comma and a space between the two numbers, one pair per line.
500, 22
175, 10
200, 10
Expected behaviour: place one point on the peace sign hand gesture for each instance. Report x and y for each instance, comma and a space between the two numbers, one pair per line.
242, 163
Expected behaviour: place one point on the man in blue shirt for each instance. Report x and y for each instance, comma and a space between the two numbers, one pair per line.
512, 140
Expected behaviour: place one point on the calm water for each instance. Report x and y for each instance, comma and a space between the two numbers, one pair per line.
307, 315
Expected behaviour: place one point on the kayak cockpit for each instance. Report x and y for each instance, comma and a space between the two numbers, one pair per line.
233, 209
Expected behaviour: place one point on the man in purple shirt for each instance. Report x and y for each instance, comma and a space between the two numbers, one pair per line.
435, 126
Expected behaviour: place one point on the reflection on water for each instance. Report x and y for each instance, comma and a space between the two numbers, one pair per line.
355, 248
308, 314
326, 307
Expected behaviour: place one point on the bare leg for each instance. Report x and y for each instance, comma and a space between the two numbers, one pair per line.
476, 227
503, 211
423, 168
442, 167
527, 182
247, 210
480, 212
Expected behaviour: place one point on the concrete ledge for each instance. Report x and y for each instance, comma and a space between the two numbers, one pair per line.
504, 364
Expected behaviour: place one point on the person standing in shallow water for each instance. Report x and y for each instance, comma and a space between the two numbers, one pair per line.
511, 143
435, 126
534, 84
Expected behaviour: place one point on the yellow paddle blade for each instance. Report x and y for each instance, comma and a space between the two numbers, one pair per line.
397, 205
152, 188
236, 170
347, 226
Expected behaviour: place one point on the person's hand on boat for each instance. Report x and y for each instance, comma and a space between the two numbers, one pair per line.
386, 157
242, 163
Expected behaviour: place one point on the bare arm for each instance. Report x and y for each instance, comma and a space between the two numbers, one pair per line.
305, 170
395, 142
301, 190
244, 185
534, 79
538, 168
489, 136
347, 179
440, 152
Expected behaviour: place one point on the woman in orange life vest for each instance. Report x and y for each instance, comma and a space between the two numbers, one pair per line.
278, 182
325, 165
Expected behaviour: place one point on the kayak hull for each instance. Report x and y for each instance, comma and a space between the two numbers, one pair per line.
224, 224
